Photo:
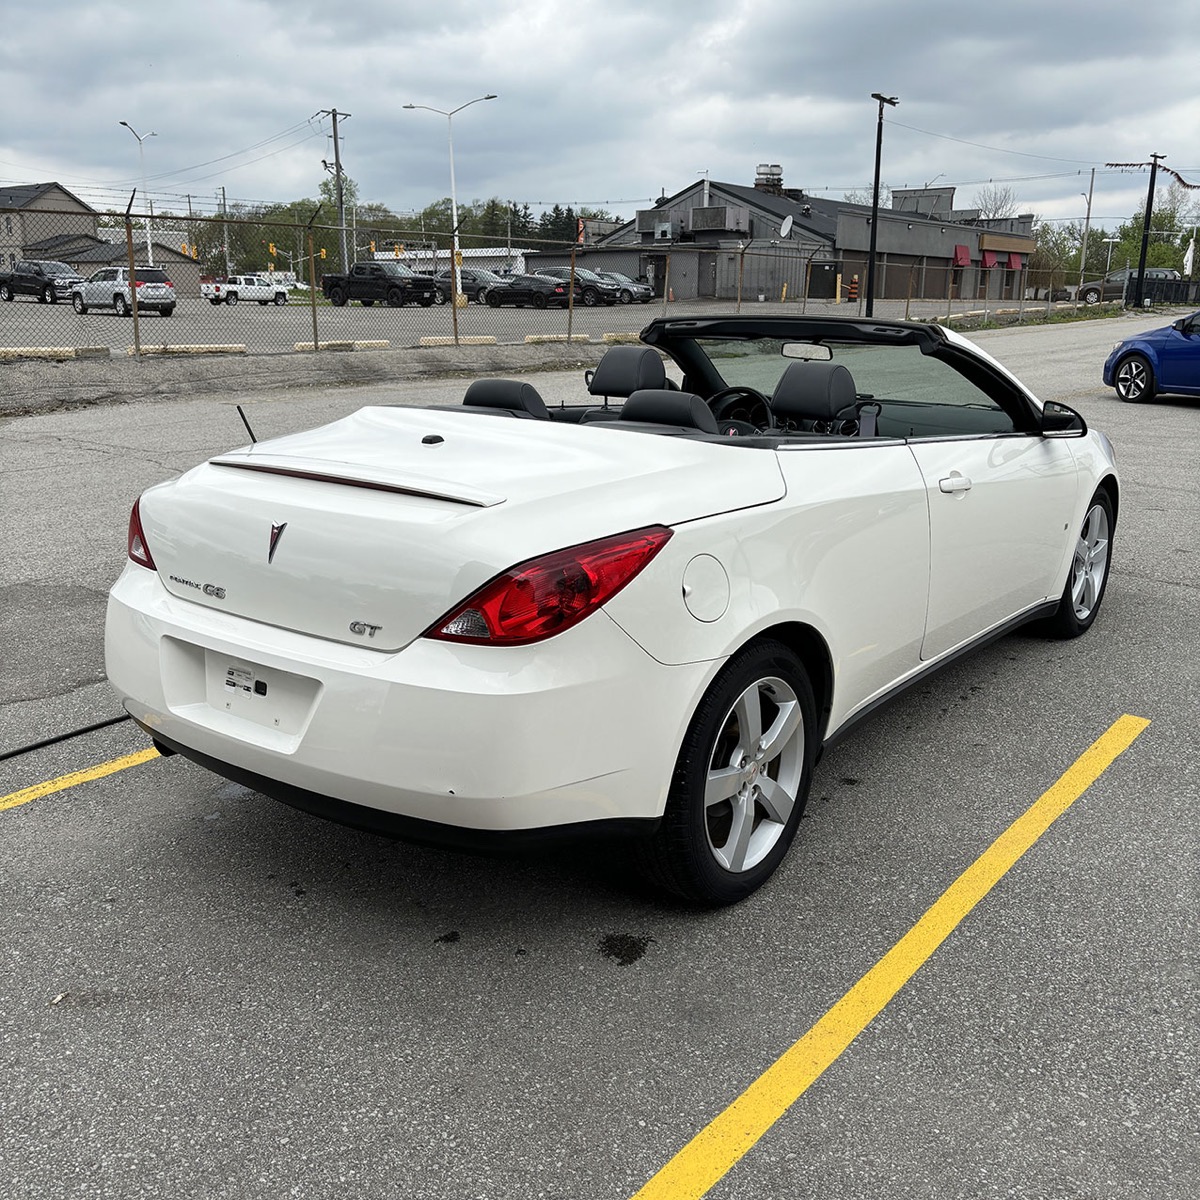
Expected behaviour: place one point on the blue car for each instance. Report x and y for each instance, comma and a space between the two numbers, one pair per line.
1160, 360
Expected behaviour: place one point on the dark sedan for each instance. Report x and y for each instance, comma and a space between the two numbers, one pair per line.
1160, 360
474, 284
631, 289
538, 291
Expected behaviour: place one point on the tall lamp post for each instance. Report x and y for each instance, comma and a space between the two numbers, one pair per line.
455, 264
893, 101
1110, 243
141, 137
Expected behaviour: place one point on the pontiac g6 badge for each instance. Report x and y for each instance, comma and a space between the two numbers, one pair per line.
276, 534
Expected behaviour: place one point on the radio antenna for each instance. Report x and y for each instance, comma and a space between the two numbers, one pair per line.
247, 424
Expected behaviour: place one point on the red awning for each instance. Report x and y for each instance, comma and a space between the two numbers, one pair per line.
1014, 261
989, 259
962, 256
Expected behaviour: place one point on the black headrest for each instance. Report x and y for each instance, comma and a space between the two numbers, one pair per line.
506, 393
663, 407
818, 391
626, 369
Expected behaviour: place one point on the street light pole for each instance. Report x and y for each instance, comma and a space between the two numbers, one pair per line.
893, 101
455, 263
1111, 242
141, 137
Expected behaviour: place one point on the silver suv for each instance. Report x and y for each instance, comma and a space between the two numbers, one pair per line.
109, 288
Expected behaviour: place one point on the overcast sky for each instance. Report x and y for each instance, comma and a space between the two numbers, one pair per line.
606, 105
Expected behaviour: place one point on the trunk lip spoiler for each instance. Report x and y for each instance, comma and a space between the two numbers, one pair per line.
429, 489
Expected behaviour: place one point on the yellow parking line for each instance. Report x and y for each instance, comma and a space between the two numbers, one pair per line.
38, 790
706, 1159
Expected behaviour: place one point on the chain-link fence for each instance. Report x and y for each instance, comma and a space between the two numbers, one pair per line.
249, 286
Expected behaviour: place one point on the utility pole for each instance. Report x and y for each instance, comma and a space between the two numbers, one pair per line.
1087, 224
337, 175
1137, 287
225, 232
893, 101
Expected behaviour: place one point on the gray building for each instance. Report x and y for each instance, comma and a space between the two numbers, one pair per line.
725, 240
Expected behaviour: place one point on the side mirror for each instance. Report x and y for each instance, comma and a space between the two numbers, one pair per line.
1060, 421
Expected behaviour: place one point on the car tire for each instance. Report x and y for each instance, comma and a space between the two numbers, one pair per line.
281, 298
493, 300
166, 312
337, 297
395, 298
77, 304
1135, 379
214, 300
426, 301
121, 305
1088, 576
538, 300
48, 296
6, 292
440, 297
626, 296
264, 303
231, 297
369, 303
590, 297
1090, 296
740, 782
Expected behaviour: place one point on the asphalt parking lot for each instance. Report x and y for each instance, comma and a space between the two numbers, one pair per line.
207, 994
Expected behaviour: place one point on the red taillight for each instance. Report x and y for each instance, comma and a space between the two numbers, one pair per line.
139, 552
547, 595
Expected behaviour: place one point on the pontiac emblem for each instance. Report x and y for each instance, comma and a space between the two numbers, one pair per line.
276, 534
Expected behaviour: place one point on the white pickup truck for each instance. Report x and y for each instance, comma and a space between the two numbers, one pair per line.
243, 287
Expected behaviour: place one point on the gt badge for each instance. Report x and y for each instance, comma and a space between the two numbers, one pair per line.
276, 534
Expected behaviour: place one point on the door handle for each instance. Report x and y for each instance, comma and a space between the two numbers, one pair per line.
955, 482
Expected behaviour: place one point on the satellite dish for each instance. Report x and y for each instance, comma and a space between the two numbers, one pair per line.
786, 227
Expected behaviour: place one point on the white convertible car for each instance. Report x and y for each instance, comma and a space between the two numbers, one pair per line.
645, 614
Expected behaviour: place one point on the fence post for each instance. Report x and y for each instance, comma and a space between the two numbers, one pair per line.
666, 282
741, 274
137, 340
571, 296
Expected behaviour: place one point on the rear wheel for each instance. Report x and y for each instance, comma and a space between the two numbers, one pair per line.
47, 296
426, 301
231, 297
538, 300
1135, 379
121, 305
741, 779
281, 297
1089, 572
78, 304
6, 292
337, 297
166, 312
214, 300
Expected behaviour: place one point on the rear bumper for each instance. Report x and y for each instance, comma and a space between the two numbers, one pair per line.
581, 728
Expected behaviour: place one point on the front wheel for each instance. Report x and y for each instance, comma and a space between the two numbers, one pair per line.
1089, 572
6, 292
78, 304
440, 297
626, 296
493, 300
48, 296
426, 301
590, 297
741, 780
1135, 379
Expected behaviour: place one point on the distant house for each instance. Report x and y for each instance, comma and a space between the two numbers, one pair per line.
31, 213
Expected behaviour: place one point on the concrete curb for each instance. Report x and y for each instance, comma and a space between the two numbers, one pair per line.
232, 348
473, 340
543, 339
10, 353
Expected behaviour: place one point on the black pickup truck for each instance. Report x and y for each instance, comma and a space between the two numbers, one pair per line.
49, 281
388, 282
